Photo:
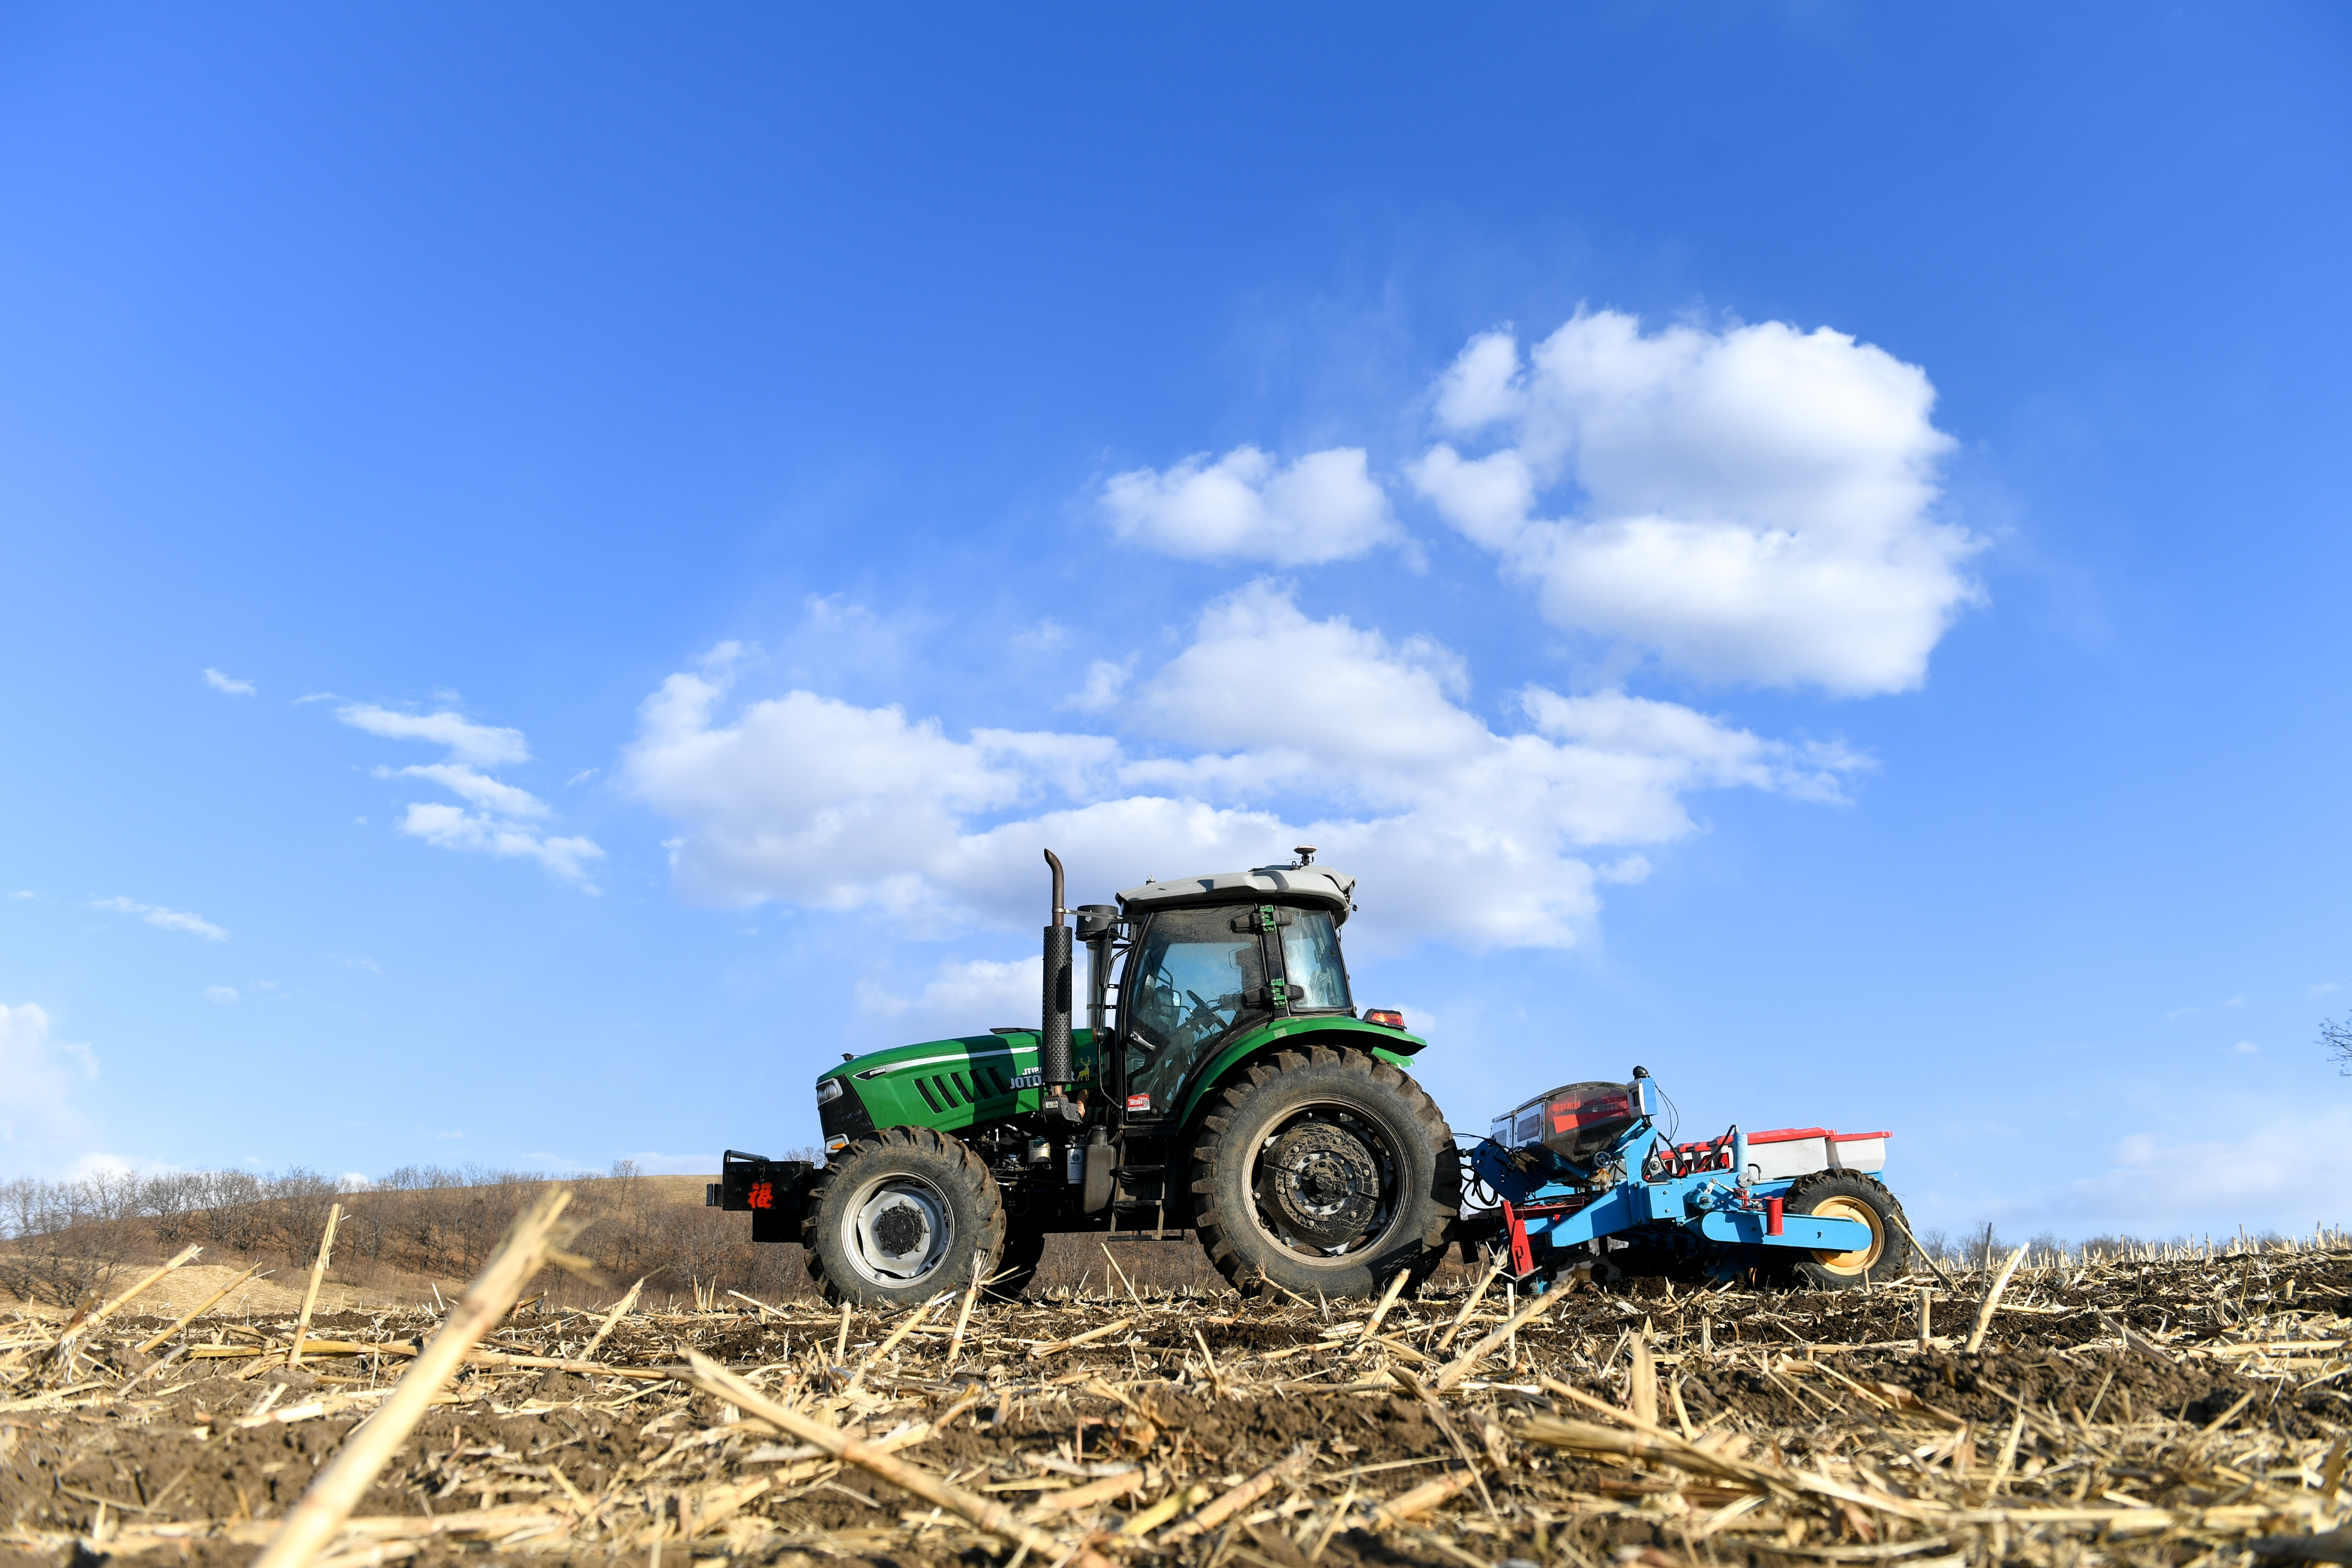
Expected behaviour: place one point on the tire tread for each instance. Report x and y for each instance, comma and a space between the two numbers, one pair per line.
1892, 1260
1218, 1234
965, 1167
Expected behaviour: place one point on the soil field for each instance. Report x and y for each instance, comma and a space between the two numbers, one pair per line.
2174, 1411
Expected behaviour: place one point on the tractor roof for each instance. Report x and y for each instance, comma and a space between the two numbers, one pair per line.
1290, 884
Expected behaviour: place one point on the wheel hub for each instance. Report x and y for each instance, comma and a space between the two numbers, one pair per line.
901, 1232
1322, 1182
1862, 1258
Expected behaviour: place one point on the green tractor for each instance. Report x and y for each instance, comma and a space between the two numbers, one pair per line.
1225, 1084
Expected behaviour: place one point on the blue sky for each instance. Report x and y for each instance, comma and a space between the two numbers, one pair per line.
1802, 546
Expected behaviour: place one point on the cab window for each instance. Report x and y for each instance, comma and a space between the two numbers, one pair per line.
1311, 962
1191, 979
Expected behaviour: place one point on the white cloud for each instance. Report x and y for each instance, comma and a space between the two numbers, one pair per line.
2323, 988
1302, 732
164, 918
229, 684
1106, 684
2161, 1184
220, 996
37, 1073
503, 799
453, 827
1754, 505
962, 992
497, 819
479, 744
806, 798
2244, 1049
1701, 751
1323, 507
1046, 636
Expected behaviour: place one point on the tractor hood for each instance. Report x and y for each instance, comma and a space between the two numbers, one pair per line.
1303, 884
946, 1084
1008, 1053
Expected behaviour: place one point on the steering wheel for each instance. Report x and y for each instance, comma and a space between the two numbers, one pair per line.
1202, 1021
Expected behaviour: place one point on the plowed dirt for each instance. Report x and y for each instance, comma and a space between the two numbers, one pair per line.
2152, 1412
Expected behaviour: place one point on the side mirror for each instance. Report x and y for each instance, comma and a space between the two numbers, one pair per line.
1096, 922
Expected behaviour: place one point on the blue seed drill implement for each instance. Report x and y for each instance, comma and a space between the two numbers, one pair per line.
1580, 1180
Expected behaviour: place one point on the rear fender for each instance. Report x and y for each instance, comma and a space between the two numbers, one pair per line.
1341, 1034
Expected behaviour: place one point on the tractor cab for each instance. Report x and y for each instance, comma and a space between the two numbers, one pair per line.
1209, 958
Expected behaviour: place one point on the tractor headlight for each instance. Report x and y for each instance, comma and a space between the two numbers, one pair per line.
828, 1091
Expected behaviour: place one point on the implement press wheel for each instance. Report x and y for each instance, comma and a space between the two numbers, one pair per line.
1847, 1195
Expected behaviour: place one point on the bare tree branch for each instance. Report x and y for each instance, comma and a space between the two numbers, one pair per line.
2338, 1038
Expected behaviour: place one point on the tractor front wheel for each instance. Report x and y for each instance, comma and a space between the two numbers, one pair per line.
1324, 1171
1845, 1194
900, 1217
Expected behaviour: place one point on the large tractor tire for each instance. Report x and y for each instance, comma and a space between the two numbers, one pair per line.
901, 1216
1016, 1265
1845, 1194
1324, 1171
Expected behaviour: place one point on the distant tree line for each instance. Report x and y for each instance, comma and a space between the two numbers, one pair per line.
59, 1239
419, 1223
1983, 1247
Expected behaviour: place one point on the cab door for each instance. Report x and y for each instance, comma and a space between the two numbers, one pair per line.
1194, 979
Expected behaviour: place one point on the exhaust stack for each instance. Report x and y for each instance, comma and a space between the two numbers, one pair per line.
1054, 1037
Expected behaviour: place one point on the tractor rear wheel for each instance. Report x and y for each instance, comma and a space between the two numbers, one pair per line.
901, 1216
1324, 1171
1845, 1194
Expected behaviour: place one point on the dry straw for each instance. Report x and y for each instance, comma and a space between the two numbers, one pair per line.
2153, 1409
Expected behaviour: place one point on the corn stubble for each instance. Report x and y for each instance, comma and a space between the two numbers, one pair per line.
2174, 1408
